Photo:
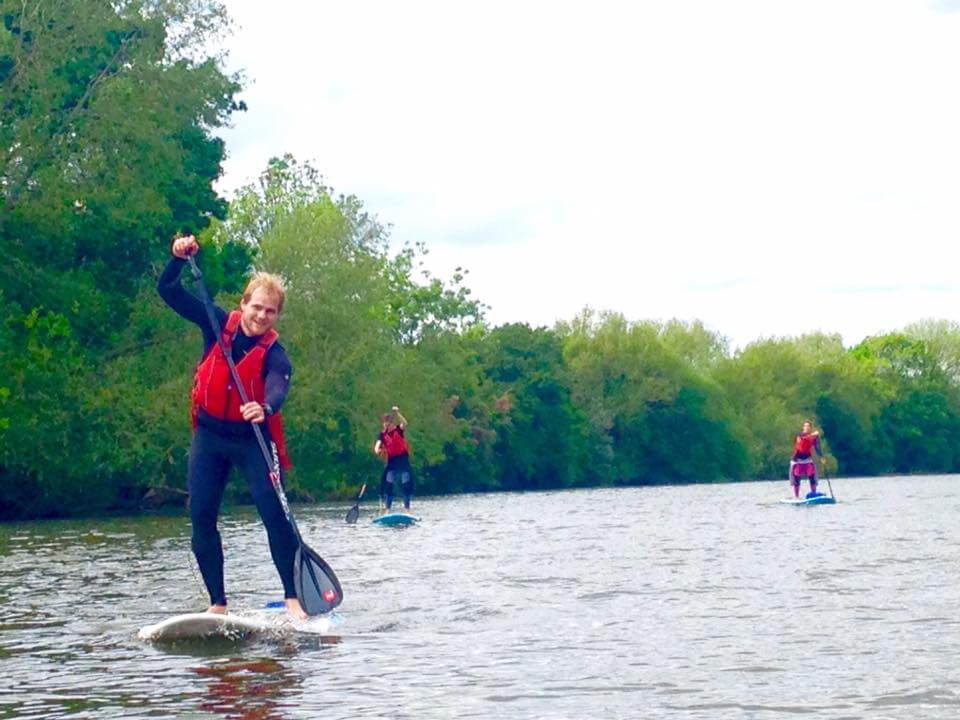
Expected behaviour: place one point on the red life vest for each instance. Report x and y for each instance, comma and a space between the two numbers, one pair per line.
803, 444
395, 443
213, 387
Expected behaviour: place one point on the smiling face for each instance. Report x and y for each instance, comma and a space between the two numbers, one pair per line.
258, 314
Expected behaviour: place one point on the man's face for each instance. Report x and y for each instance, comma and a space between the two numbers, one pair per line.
258, 314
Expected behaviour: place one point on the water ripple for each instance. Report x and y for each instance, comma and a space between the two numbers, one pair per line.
705, 602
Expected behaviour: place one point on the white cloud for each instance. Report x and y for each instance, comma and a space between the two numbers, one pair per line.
768, 167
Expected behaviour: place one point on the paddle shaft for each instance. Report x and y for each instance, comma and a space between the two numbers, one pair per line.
363, 489
828, 483
272, 461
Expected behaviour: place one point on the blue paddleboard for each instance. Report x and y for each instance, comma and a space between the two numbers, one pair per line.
815, 499
395, 519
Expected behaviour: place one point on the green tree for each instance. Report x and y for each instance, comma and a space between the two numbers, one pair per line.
942, 339
542, 439
922, 419
107, 113
691, 341
106, 147
849, 401
655, 417
771, 389
362, 331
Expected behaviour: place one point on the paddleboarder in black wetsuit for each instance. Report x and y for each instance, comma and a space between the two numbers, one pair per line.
393, 444
223, 437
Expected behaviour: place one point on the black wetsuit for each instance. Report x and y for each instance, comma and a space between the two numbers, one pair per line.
218, 445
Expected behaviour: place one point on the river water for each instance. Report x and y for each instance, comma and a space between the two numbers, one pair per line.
667, 602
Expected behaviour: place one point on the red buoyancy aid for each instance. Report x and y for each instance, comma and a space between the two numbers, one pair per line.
395, 443
213, 387
804, 444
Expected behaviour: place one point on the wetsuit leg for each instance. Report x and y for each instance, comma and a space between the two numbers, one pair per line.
388, 479
282, 539
383, 485
207, 470
795, 480
406, 487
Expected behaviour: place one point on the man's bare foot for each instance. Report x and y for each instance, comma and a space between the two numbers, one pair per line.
295, 609
218, 609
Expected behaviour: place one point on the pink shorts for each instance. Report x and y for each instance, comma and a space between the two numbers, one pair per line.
803, 469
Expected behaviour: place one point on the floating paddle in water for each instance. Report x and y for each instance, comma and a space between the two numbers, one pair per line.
317, 586
354, 512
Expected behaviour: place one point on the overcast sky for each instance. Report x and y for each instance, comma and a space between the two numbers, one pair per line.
768, 167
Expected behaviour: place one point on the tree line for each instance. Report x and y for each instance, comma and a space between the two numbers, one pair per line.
108, 149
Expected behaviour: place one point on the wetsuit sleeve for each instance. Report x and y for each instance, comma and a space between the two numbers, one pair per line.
816, 446
185, 304
277, 371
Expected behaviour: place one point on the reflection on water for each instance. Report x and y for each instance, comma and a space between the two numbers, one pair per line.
695, 602
246, 689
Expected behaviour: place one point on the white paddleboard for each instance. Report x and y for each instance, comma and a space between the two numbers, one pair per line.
230, 626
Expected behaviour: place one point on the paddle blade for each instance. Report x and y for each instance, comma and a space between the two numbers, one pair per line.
354, 512
316, 584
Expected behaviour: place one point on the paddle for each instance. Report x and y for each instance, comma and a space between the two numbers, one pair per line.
829, 486
316, 584
354, 512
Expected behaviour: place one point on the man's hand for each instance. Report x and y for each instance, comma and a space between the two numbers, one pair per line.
184, 247
253, 412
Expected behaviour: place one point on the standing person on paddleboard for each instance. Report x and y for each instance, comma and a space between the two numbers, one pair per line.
802, 464
393, 442
222, 434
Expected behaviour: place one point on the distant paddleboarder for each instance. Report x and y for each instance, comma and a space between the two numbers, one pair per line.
222, 434
802, 464
392, 444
